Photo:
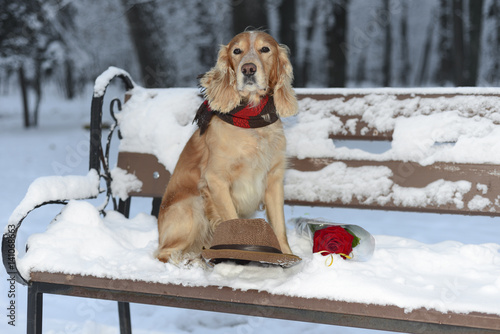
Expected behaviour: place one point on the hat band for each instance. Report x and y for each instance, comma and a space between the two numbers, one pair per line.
250, 248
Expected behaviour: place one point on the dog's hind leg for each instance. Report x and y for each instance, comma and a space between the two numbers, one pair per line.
182, 230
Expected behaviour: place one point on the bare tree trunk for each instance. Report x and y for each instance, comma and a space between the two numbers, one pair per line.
458, 43
287, 35
421, 74
444, 74
249, 14
208, 47
335, 38
69, 79
404, 75
475, 24
38, 88
24, 95
304, 68
361, 70
146, 24
386, 66
493, 14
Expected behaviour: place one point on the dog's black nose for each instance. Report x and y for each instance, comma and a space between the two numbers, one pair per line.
248, 69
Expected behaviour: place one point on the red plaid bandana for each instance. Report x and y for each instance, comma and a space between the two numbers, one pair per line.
243, 116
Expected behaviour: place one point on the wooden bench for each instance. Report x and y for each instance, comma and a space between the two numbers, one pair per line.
352, 115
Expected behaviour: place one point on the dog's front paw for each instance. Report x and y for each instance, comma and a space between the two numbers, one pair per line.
181, 259
195, 262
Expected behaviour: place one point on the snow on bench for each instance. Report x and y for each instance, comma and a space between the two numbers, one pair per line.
443, 158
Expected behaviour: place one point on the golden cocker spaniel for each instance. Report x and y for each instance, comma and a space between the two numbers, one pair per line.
234, 163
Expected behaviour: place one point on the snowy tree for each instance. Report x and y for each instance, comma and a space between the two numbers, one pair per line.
490, 69
287, 35
332, 42
475, 30
102, 39
458, 52
405, 65
31, 44
306, 55
386, 16
459, 42
147, 31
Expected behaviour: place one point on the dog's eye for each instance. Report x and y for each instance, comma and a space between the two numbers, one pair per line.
265, 49
237, 51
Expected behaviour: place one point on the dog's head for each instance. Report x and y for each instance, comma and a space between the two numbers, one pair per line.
252, 65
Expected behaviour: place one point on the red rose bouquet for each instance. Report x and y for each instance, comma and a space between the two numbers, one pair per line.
334, 240
349, 241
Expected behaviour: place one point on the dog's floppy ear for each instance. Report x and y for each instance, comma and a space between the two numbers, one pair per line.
219, 84
284, 96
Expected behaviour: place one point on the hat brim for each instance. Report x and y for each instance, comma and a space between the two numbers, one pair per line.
284, 260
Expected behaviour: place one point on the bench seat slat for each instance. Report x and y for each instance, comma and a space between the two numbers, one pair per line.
261, 303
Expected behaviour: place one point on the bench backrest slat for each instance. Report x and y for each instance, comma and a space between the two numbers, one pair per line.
402, 104
406, 191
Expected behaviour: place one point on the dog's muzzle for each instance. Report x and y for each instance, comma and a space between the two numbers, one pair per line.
249, 78
248, 70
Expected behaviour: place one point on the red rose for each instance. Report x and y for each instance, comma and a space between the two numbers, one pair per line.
333, 239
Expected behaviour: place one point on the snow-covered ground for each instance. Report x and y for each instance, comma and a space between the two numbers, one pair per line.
59, 146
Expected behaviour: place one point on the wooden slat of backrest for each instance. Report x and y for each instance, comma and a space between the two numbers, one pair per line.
148, 170
262, 303
363, 130
368, 132
405, 174
414, 175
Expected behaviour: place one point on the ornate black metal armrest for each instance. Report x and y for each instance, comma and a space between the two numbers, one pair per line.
98, 165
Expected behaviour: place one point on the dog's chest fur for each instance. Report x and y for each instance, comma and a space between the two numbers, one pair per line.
249, 155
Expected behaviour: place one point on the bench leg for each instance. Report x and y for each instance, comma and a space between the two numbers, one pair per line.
35, 310
156, 206
124, 316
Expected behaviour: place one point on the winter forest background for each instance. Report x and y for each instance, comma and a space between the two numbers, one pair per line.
333, 43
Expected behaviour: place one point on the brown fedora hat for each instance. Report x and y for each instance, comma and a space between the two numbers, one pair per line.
247, 240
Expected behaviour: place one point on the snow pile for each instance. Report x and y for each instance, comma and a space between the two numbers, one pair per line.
56, 188
103, 80
478, 202
452, 129
447, 276
81, 240
159, 122
123, 183
439, 192
338, 182
447, 136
